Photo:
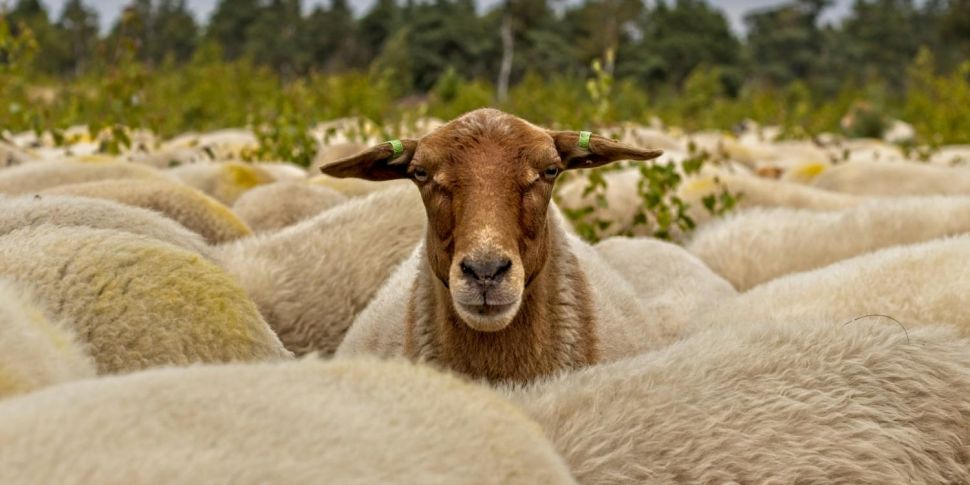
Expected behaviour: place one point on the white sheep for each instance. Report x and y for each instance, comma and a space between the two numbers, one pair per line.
224, 181
672, 284
353, 187
759, 192
225, 144
499, 290
893, 179
181, 203
757, 245
135, 301
925, 283
275, 206
624, 201
11, 155
29, 211
347, 422
34, 351
790, 401
282, 171
310, 280
952, 155
34, 177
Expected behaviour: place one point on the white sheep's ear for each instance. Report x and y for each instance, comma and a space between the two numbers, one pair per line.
582, 149
387, 161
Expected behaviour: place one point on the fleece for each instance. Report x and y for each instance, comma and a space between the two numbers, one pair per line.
758, 245
181, 203
35, 352
137, 302
347, 422
792, 401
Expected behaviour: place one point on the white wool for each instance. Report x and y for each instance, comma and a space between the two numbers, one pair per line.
671, 284
224, 181
137, 302
918, 284
179, 202
275, 206
758, 245
893, 179
35, 352
34, 177
310, 280
788, 401
624, 201
30, 211
347, 422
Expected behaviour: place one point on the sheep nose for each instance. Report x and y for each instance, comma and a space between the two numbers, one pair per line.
486, 270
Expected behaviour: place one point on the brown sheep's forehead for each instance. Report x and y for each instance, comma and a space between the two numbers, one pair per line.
471, 146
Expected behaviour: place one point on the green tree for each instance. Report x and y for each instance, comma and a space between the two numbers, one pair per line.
376, 27
330, 34
32, 15
785, 43
275, 37
880, 38
677, 39
230, 24
443, 34
78, 30
176, 31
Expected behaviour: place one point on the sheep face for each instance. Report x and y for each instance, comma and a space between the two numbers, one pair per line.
486, 179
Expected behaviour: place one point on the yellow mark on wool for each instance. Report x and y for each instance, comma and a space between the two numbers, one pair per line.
95, 158
9, 385
227, 215
700, 185
809, 170
53, 334
245, 176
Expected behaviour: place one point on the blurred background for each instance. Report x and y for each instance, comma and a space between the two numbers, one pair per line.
806, 66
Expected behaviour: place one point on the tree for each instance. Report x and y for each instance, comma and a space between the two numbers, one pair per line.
674, 40
598, 26
443, 34
230, 24
330, 34
785, 43
78, 28
274, 38
32, 15
880, 37
176, 32
376, 27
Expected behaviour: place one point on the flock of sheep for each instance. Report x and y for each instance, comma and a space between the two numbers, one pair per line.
422, 313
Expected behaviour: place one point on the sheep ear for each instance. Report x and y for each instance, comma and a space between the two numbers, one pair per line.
581, 149
387, 161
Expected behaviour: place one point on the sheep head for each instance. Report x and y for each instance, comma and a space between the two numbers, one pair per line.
486, 179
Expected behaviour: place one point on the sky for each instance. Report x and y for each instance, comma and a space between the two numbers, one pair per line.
109, 10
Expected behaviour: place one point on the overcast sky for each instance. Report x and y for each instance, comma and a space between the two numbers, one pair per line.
735, 9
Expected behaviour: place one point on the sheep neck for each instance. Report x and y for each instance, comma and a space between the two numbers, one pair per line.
554, 329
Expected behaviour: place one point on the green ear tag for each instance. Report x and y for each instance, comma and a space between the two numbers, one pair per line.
397, 146
584, 139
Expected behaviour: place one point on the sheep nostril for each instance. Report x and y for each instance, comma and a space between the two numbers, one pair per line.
486, 271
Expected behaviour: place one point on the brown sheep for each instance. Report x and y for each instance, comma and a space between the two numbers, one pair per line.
500, 290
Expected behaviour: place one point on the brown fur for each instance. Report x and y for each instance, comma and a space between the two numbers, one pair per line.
556, 313
486, 179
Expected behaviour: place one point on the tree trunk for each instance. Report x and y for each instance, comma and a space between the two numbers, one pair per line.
508, 45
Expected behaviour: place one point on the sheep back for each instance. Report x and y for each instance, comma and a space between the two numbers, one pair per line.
347, 422
137, 302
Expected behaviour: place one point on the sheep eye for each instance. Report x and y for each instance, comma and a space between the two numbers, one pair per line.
551, 172
420, 174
